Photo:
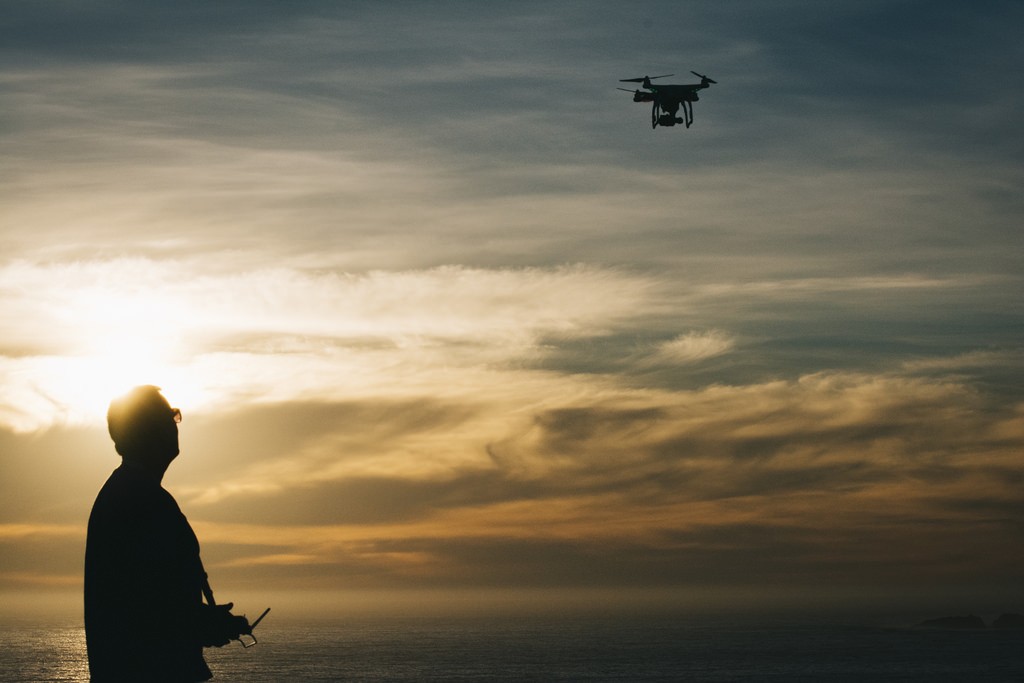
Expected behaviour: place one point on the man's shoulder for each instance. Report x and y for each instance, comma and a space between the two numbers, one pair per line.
125, 492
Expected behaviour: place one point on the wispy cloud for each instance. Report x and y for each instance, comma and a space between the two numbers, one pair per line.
329, 334
692, 347
11, 531
37, 580
660, 484
813, 472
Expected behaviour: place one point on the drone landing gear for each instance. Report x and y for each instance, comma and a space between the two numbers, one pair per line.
687, 113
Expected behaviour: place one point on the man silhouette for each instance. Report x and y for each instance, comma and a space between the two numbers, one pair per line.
144, 581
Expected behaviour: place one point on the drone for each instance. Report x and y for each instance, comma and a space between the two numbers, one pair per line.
667, 99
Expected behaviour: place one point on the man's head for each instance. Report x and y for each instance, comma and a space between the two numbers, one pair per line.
144, 426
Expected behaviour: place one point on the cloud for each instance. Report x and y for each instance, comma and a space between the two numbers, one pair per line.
17, 531
1004, 359
78, 331
692, 347
33, 579
826, 425
799, 478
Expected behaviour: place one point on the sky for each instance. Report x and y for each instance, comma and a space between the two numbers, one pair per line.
447, 320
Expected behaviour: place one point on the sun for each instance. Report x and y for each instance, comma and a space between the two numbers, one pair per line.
90, 380
116, 340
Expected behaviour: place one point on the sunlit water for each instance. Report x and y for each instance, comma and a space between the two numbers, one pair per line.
564, 649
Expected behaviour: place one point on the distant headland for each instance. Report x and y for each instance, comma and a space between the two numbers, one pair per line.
971, 621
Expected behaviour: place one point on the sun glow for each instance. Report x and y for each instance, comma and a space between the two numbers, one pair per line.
107, 341
84, 384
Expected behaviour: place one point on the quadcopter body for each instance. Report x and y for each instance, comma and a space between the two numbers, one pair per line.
667, 100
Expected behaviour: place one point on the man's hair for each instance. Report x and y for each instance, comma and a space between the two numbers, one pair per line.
132, 415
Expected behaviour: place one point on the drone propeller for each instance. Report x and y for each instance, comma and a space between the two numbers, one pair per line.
640, 95
703, 77
642, 79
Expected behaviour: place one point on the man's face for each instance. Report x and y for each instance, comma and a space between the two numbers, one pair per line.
168, 434
162, 432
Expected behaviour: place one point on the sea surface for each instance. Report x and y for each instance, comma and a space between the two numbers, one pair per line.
564, 649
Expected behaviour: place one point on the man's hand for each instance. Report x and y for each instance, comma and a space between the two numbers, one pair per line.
218, 626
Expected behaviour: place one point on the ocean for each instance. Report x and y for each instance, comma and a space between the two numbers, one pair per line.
566, 648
